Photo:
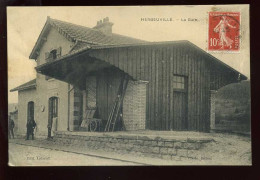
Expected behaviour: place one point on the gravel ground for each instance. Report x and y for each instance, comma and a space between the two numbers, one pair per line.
226, 149
229, 149
20, 155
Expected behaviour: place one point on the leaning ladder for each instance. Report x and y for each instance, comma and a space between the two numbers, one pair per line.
113, 115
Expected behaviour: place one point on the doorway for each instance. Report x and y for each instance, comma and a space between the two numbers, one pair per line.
30, 111
53, 113
180, 103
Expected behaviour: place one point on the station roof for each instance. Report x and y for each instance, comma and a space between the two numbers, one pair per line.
83, 36
28, 85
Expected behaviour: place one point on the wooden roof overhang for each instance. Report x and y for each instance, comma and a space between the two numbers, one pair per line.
73, 68
183, 42
221, 74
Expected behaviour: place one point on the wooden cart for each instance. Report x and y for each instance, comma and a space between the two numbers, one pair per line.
89, 123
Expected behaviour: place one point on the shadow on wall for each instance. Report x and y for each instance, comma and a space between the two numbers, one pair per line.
233, 107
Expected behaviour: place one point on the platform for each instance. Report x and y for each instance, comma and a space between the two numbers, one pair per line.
171, 145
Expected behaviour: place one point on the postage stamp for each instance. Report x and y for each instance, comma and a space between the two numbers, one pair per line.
224, 31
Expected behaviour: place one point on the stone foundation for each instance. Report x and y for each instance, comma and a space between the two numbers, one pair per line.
165, 148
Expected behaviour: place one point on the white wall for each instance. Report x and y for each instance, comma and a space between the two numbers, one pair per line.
46, 89
23, 98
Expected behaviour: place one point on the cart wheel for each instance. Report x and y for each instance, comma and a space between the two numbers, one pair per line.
93, 125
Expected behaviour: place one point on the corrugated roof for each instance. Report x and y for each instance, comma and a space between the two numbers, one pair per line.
27, 85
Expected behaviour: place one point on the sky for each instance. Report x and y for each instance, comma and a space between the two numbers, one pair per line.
24, 25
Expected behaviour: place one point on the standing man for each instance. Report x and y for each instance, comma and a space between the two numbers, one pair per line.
11, 127
49, 126
30, 129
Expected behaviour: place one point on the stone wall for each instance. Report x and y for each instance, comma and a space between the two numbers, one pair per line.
171, 149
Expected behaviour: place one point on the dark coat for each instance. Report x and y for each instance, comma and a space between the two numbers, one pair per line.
11, 124
31, 125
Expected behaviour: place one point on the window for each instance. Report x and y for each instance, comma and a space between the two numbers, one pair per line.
53, 106
178, 82
50, 56
53, 54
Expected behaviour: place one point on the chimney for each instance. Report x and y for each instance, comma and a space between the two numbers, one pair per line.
104, 26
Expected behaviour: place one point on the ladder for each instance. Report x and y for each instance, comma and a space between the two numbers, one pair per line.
113, 115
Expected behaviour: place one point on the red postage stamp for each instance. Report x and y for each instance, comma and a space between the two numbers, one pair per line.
224, 31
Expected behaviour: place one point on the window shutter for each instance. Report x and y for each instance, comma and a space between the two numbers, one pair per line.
47, 54
59, 52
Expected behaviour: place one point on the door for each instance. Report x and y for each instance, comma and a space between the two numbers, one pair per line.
179, 103
180, 110
53, 113
30, 111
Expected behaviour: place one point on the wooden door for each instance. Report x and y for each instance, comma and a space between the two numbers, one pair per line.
179, 121
180, 110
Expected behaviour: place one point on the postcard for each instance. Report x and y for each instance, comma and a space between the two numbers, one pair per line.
129, 85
